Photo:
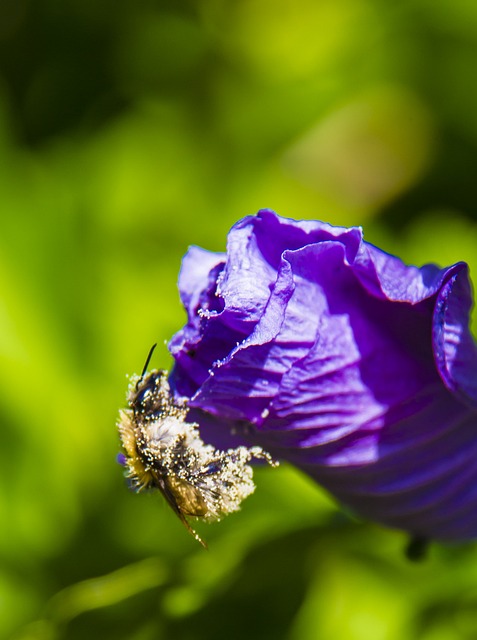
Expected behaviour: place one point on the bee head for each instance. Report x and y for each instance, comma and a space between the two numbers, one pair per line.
147, 398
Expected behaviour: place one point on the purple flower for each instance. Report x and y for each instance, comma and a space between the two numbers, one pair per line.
333, 355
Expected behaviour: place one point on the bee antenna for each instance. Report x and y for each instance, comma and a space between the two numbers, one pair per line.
148, 359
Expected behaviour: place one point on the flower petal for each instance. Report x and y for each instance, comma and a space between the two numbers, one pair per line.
386, 276
454, 346
341, 359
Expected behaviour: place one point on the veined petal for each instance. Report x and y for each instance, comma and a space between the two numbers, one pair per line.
343, 360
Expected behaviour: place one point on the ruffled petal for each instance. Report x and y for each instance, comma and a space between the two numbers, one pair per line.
343, 360
190, 346
253, 368
198, 280
387, 277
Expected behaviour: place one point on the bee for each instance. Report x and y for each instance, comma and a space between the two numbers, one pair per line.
162, 451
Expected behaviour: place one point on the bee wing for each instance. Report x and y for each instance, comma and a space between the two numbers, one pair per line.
190, 500
176, 492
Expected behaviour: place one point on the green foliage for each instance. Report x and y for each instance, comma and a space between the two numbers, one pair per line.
128, 131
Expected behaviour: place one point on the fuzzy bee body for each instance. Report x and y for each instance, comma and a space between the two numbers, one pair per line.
165, 452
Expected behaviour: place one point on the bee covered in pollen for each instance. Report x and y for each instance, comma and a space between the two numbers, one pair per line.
162, 451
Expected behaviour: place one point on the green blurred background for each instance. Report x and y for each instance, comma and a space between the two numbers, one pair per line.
129, 130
